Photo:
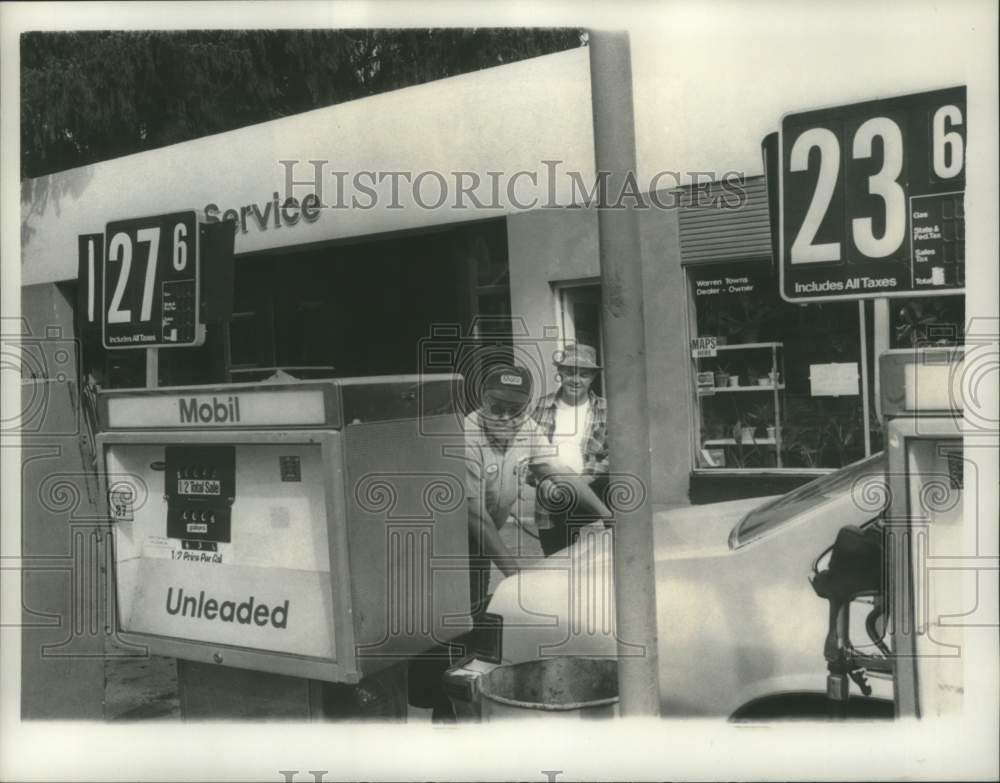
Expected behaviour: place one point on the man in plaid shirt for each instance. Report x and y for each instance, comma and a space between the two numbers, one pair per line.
575, 420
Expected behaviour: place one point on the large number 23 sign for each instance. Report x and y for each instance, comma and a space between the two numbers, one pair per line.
948, 157
854, 186
151, 282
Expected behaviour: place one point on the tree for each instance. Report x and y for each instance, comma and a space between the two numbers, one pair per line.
90, 96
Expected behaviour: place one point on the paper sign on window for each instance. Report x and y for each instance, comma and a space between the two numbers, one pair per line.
833, 380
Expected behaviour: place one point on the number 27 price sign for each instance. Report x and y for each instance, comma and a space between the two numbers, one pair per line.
151, 282
870, 198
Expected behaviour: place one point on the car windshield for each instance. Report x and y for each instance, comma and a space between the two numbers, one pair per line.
766, 518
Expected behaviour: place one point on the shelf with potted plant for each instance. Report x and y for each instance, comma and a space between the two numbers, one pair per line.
727, 379
742, 389
760, 426
747, 346
732, 442
755, 427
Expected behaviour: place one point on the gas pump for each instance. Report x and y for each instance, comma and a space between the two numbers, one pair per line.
311, 531
910, 563
933, 590
292, 543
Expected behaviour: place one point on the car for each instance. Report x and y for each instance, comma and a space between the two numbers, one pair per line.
741, 630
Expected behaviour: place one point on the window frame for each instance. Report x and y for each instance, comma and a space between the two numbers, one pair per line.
564, 315
866, 394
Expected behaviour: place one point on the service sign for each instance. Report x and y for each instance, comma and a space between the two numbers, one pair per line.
870, 198
150, 282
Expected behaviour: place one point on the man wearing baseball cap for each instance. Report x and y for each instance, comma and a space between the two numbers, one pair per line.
504, 449
501, 440
574, 420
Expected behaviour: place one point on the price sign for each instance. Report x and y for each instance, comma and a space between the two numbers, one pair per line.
870, 198
150, 282
89, 270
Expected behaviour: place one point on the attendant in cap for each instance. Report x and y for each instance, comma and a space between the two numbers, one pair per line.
574, 420
504, 449
501, 440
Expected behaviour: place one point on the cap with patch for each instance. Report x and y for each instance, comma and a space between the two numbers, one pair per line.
508, 383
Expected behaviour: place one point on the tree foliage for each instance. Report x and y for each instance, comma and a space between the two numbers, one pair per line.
90, 96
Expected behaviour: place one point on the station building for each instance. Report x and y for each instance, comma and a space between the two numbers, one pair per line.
357, 252
339, 274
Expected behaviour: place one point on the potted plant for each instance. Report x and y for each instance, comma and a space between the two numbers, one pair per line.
846, 435
721, 376
919, 324
748, 318
761, 418
743, 430
738, 453
712, 426
803, 434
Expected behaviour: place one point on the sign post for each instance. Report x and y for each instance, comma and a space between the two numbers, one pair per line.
628, 421
154, 282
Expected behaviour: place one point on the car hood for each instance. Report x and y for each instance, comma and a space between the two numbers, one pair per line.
579, 579
733, 625
688, 531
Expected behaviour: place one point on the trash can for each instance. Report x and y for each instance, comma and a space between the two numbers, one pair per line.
564, 687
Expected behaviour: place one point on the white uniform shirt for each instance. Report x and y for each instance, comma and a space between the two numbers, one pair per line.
495, 476
570, 434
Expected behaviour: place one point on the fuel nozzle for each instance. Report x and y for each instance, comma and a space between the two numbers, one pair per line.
855, 568
858, 675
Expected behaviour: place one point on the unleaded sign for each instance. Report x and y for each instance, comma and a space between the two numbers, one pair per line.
871, 198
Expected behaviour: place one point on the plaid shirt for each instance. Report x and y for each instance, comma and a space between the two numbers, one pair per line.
595, 450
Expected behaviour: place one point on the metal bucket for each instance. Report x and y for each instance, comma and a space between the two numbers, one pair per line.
565, 687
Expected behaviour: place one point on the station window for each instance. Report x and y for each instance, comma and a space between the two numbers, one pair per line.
934, 320
491, 294
777, 385
362, 308
352, 309
579, 310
